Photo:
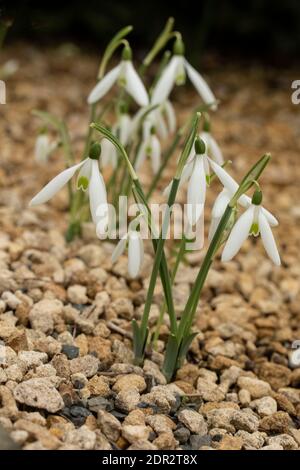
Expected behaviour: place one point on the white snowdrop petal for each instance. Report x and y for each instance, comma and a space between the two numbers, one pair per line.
220, 204
42, 148
270, 217
244, 200
196, 191
166, 191
135, 253
171, 116
268, 238
165, 83
213, 227
104, 85
119, 249
125, 128
98, 197
214, 150
141, 156
238, 234
155, 153
107, 148
134, 85
200, 85
227, 181
55, 185
160, 125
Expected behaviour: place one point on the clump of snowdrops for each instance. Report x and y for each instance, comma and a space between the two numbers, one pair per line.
144, 121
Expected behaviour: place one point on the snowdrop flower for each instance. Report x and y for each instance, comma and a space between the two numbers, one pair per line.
43, 148
252, 222
163, 118
126, 76
122, 130
188, 169
175, 73
232, 186
89, 178
196, 192
150, 147
133, 241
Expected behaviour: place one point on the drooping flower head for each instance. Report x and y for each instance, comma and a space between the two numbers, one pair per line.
126, 76
221, 202
175, 73
89, 179
43, 148
122, 130
134, 243
252, 222
149, 147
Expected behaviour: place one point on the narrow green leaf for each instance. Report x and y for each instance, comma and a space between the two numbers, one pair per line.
170, 357
184, 347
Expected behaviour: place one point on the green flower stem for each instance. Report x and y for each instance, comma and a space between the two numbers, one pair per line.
188, 313
179, 257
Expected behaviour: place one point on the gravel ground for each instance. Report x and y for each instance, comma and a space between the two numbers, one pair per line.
67, 380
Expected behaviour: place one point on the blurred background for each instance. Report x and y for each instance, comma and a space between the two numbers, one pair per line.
257, 29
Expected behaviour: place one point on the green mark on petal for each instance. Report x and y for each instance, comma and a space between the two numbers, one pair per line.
122, 81
254, 230
82, 183
180, 79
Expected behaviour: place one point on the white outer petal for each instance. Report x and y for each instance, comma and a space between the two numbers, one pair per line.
196, 191
165, 83
107, 148
220, 204
213, 148
125, 128
270, 217
42, 148
55, 185
268, 238
227, 180
155, 153
171, 116
119, 249
134, 85
160, 125
97, 196
141, 155
238, 234
135, 253
104, 85
200, 85
213, 227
